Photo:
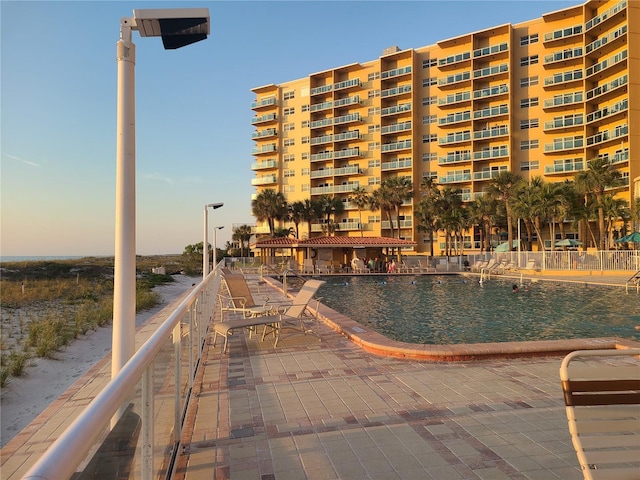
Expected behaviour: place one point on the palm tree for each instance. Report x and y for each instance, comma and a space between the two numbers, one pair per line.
599, 176
331, 206
380, 201
296, 215
269, 206
398, 190
482, 211
312, 211
242, 235
449, 214
361, 199
614, 210
503, 187
426, 219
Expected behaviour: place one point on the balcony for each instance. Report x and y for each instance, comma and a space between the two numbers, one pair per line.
564, 122
267, 118
346, 187
563, 33
397, 164
264, 180
491, 153
486, 51
264, 149
563, 100
564, 144
488, 174
355, 82
407, 223
563, 55
491, 112
606, 40
563, 77
396, 72
608, 135
454, 79
452, 158
492, 132
605, 15
342, 102
321, 90
610, 111
491, 91
266, 103
321, 157
396, 127
610, 62
346, 225
318, 107
394, 92
351, 118
565, 166
455, 177
346, 153
396, 109
491, 71
340, 137
269, 132
608, 87
620, 157
453, 59
396, 146
455, 138
454, 98
266, 164
454, 118
330, 172
325, 122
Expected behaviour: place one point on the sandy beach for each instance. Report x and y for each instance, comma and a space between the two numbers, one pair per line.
23, 399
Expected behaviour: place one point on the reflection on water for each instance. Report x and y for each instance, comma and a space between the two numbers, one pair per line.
453, 309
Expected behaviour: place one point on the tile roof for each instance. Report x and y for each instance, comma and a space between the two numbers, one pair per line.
333, 242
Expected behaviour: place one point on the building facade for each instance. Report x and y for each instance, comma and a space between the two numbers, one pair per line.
539, 98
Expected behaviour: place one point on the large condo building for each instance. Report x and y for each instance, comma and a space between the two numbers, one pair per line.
539, 98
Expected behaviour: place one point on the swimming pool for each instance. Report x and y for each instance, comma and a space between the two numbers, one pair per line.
453, 309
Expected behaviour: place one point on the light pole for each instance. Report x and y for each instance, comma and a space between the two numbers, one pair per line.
215, 243
205, 243
177, 27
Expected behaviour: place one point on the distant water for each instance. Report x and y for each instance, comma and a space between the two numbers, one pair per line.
8, 258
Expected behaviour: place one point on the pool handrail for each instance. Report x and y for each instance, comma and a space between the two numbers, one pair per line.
64, 455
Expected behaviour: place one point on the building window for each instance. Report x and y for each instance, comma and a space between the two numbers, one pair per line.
529, 123
289, 111
374, 181
429, 119
528, 39
289, 173
290, 157
374, 163
289, 95
373, 76
305, 156
431, 137
427, 157
529, 102
288, 188
373, 128
530, 165
529, 81
429, 100
373, 219
305, 124
306, 139
287, 127
373, 146
430, 62
427, 82
306, 108
530, 60
433, 175
374, 93
289, 142
373, 111
306, 187
305, 172
529, 144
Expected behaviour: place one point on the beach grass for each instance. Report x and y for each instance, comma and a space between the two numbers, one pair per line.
46, 305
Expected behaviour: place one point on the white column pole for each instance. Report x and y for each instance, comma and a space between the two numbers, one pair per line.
124, 286
205, 250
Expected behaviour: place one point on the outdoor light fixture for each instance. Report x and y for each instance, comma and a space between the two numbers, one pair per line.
205, 243
177, 27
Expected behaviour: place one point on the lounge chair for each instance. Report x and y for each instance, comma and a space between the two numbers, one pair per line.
239, 299
290, 316
424, 267
358, 266
479, 265
603, 410
308, 266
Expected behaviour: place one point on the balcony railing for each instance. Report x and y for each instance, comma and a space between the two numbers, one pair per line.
564, 122
608, 111
491, 111
322, 89
395, 146
269, 117
396, 164
264, 165
267, 102
347, 101
491, 132
396, 72
456, 78
566, 143
403, 224
604, 15
488, 71
330, 172
455, 98
563, 77
455, 177
355, 82
346, 153
450, 60
607, 63
455, 158
265, 180
608, 87
455, 138
352, 117
488, 174
565, 166
563, 33
491, 91
563, 55
483, 52
405, 107
317, 107
455, 118
395, 91
601, 42
607, 135
264, 149
269, 132
565, 99
499, 152
396, 127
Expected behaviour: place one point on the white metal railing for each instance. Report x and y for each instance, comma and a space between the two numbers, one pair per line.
164, 367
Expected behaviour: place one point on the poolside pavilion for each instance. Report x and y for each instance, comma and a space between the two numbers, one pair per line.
337, 250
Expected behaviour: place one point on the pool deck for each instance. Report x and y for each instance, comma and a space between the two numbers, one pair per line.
354, 407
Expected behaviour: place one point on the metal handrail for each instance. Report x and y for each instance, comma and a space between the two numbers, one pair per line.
285, 288
634, 279
62, 458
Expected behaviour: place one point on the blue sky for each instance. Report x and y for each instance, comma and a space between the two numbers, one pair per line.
193, 116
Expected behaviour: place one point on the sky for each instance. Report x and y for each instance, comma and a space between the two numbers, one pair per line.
58, 79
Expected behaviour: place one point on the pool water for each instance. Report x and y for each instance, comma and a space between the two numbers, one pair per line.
454, 309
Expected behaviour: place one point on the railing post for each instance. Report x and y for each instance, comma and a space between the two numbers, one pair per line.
192, 361
147, 423
177, 411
